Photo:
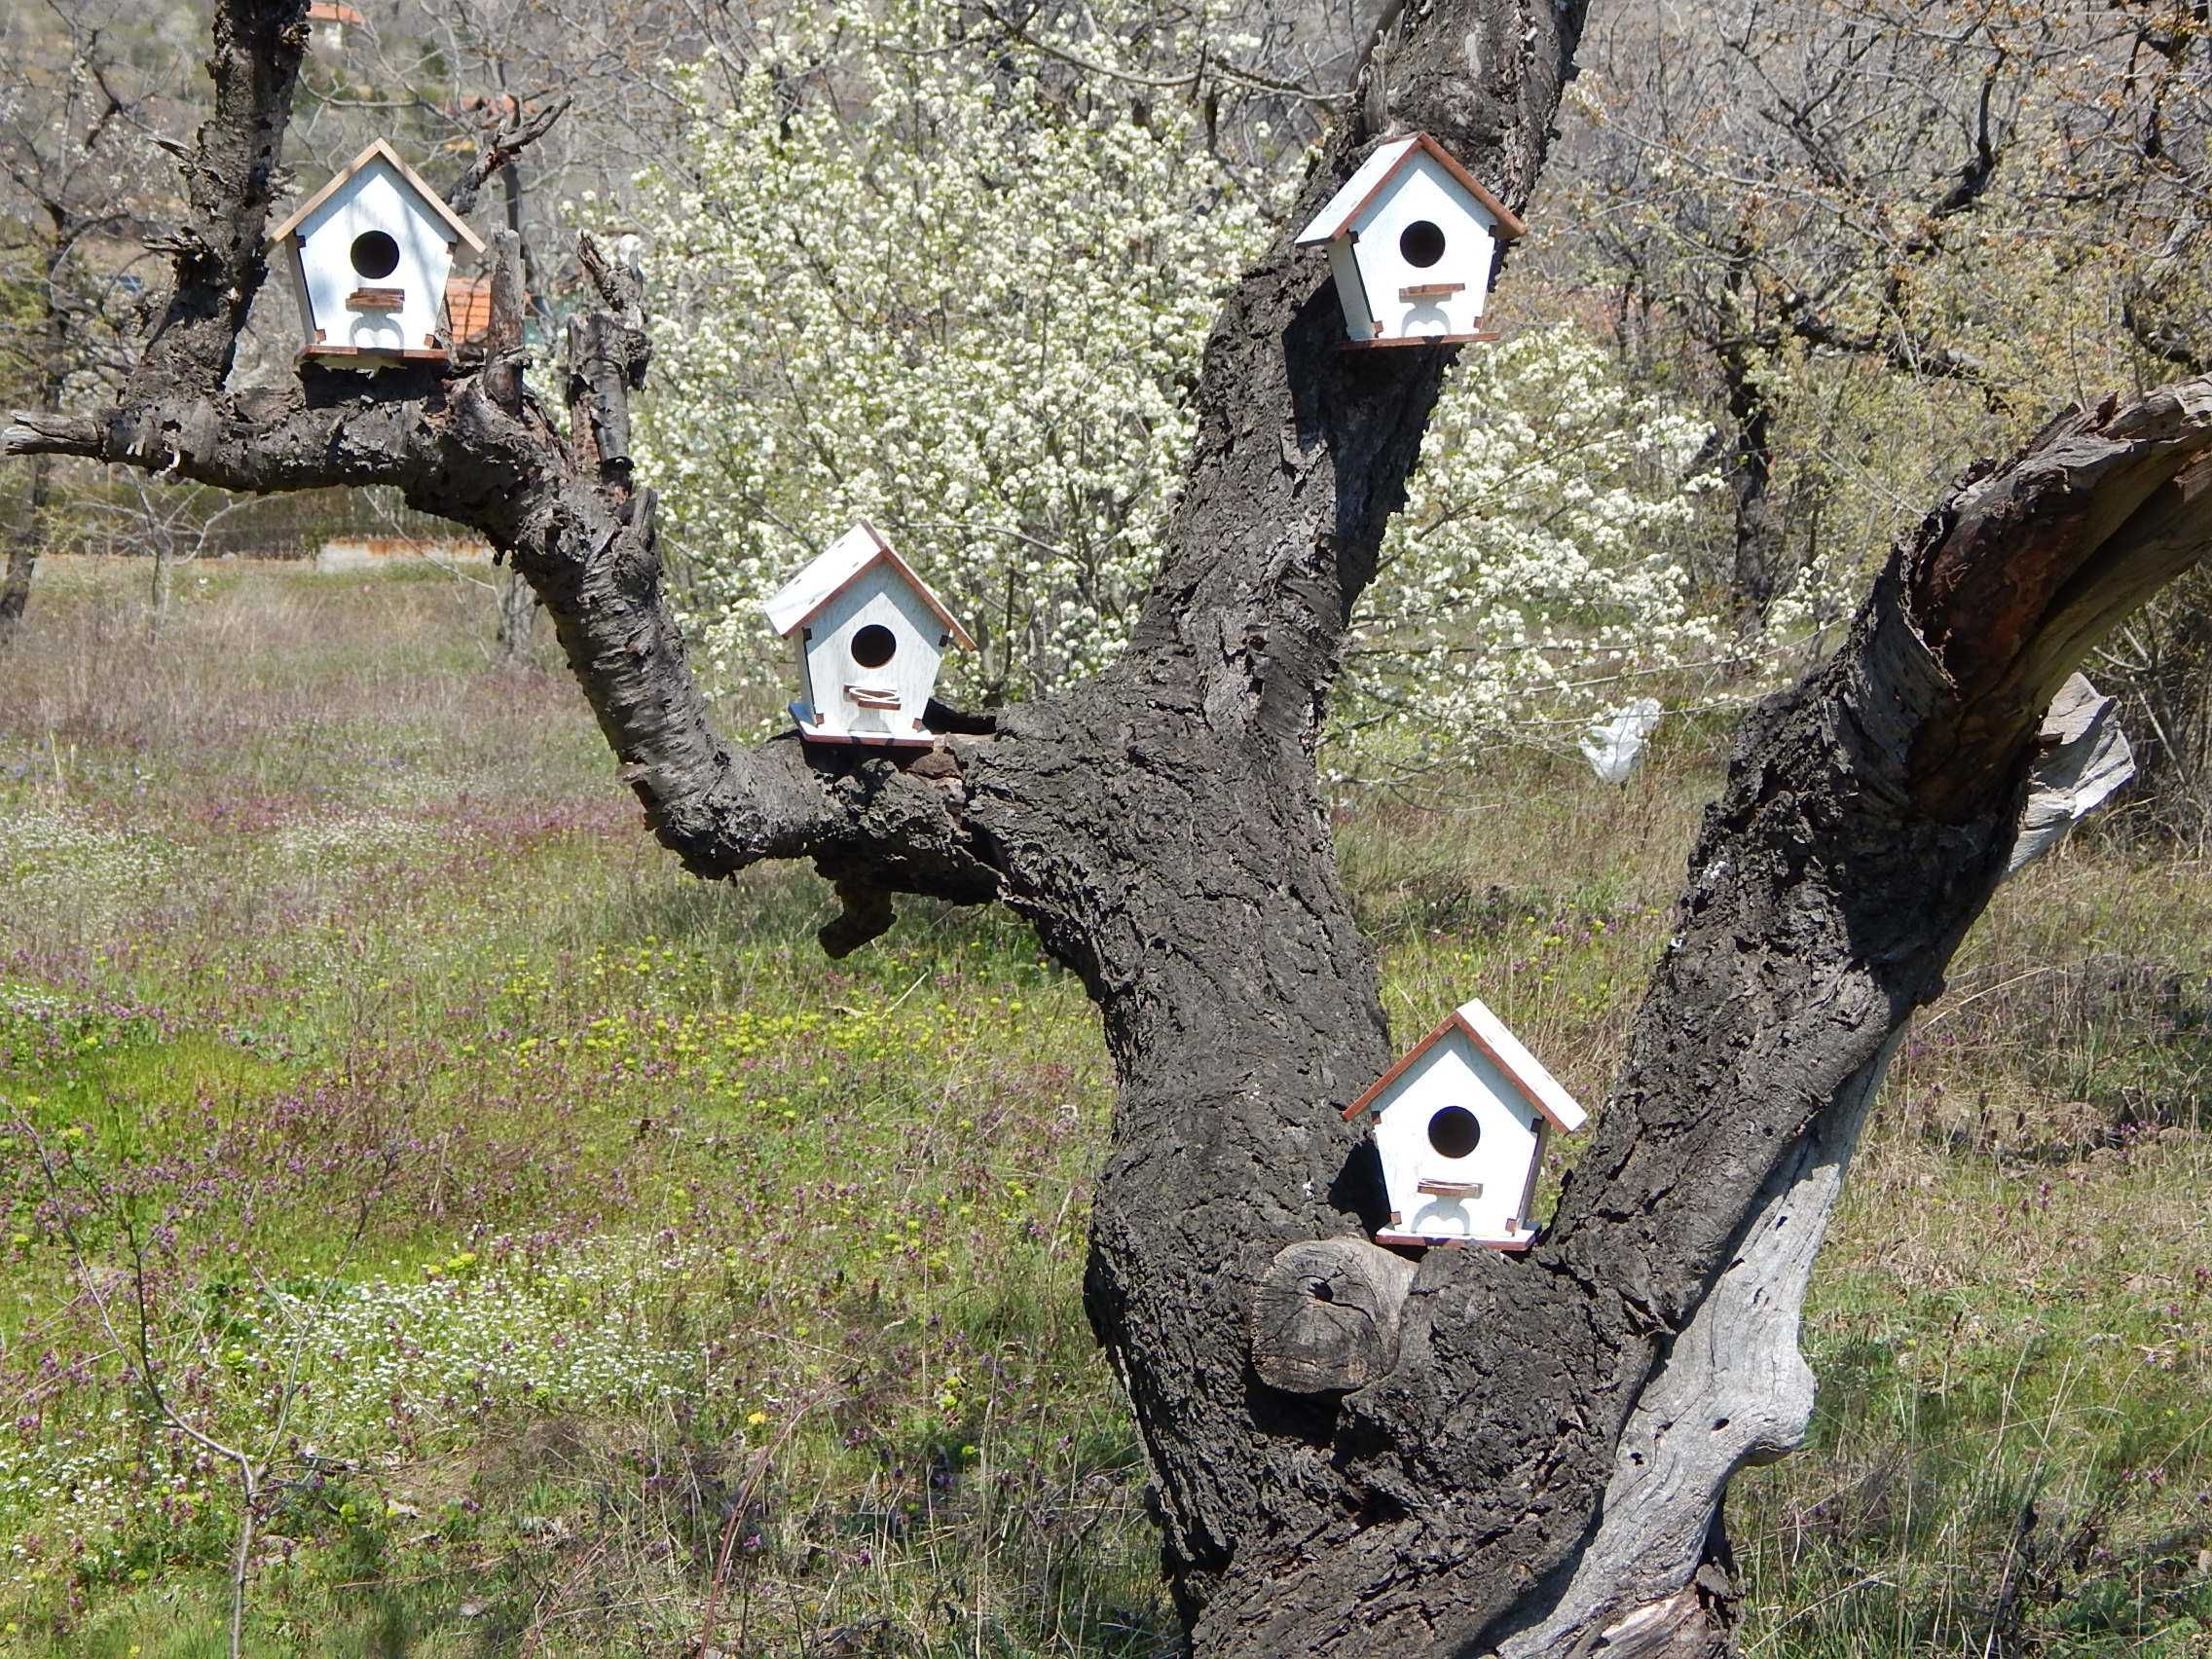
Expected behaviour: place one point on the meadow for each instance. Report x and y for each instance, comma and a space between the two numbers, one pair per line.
578, 1262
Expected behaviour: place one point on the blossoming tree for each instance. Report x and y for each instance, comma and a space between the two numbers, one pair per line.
963, 300
962, 317
1350, 1452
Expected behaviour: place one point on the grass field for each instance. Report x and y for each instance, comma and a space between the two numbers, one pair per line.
584, 1266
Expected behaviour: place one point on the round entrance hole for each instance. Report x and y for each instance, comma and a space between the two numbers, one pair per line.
375, 254
1454, 1132
874, 646
1421, 243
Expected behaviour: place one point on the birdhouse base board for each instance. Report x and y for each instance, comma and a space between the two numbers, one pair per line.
1477, 337
1429, 1241
372, 357
804, 716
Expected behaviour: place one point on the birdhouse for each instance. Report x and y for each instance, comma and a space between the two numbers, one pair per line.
1412, 240
1460, 1123
869, 635
371, 253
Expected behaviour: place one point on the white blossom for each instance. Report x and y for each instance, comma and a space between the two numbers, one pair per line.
959, 300
1532, 580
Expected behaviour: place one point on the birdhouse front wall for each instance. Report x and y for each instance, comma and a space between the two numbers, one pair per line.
857, 690
1423, 248
1453, 1121
372, 264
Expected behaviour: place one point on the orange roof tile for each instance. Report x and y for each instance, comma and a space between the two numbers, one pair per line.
468, 309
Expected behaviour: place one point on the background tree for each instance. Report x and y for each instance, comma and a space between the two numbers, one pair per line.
948, 291
76, 168
1422, 1464
1848, 216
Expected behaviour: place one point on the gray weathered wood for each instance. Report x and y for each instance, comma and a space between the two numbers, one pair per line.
1325, 1316
2085, 762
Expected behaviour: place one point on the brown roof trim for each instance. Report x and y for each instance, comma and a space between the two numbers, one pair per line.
380, 150
1398, 1067
1509, 223
1451, 1022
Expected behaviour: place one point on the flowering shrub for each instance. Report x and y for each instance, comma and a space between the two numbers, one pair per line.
956, 297
1534, 577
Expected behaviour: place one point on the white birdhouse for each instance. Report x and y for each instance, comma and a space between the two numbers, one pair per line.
870, 636
371, 253
1460, 1123
1412, 240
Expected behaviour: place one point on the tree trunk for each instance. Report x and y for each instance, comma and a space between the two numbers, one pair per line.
1758, 537
157, 612
28, 540
1464, 1475
518, 614
23, 547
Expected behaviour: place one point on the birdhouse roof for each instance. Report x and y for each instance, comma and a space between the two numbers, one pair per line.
1487, 1033
852, 555
1374, 177
381, 151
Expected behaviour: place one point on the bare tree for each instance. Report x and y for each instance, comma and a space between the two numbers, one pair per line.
1448, 1456
1786, 194
173, 527
73, 161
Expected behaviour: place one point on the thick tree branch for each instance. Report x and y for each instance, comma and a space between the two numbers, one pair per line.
1732, 1387
231, 182
1304, 447
479, 450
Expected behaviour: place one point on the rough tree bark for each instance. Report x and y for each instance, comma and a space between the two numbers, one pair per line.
24, 544
1439, 1485
27, 539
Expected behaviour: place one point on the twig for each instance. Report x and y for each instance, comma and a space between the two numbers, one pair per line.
752, 1476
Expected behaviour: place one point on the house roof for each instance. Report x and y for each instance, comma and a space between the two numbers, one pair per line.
859, 550
1487, 1032
331, 12
468, 309
384, 151
1378, 170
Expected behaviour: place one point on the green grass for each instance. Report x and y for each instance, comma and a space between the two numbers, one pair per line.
619, 1256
